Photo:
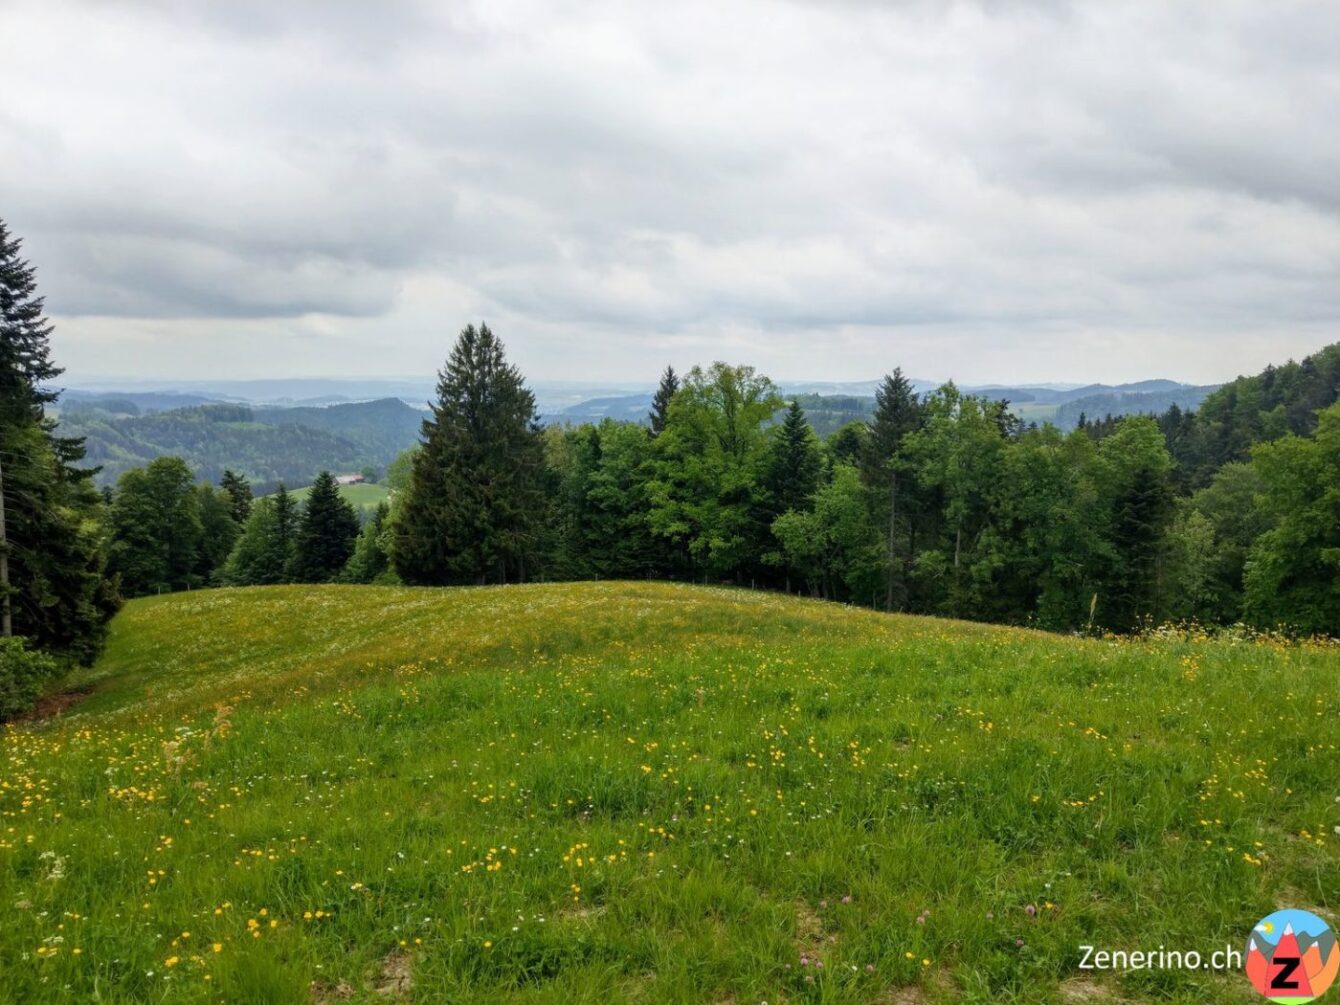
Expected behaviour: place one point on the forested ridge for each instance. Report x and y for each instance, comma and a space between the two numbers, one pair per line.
268, 445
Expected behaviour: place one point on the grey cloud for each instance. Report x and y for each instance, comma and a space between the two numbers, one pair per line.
850, 174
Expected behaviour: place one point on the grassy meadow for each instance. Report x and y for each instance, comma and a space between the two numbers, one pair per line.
594, 793
363, 496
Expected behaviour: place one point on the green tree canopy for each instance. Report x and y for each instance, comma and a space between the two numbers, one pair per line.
326, 532
473, 509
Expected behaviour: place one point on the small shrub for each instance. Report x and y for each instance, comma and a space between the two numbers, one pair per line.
23, 672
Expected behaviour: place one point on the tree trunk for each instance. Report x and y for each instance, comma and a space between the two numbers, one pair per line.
893, 512
6, 614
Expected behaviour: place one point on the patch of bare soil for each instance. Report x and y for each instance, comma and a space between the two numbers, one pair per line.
396, 977
51, 706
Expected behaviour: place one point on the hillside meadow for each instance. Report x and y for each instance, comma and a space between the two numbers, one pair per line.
652, 793
363, 496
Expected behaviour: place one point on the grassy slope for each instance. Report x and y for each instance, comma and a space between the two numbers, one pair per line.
365, 495
649, 792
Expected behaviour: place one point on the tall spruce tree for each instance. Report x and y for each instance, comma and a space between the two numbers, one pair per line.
897, 413
476, 499
53, 586
239, 494
370, 562
326, 533
791, 474
660, 404
264, 551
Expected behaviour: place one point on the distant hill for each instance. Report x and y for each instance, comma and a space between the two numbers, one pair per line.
131, 402
384, 427
267, 445
828, 412
1250, 410
1128, 402
622, 408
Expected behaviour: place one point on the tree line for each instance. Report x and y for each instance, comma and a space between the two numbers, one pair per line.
944, 503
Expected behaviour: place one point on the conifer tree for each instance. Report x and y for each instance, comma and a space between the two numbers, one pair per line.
239, 494
370, 562
475, 501
219, 530
53, 587
326, 533
660, 404
264, 551
897, 413
791, 476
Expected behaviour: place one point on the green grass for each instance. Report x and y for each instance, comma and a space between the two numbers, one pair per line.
363, 496
601, 793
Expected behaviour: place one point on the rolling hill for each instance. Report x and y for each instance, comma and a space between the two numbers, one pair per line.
651, 792
268, 445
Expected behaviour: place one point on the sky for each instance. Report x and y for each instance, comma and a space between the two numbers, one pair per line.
1034, 190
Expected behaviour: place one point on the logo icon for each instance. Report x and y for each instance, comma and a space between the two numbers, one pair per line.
1292, 956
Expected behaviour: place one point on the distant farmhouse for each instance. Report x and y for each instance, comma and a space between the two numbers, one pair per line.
349, 479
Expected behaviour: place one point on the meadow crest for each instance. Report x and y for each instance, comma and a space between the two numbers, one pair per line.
652, 793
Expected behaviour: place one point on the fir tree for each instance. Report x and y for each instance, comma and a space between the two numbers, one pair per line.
326, 533
53, 586
660, 404
239, 494
25, 333
791, 476
474, 505
219, 530
264, 551
370, 562
897, 413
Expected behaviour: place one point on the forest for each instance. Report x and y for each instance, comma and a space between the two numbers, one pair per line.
940, 503
943, 503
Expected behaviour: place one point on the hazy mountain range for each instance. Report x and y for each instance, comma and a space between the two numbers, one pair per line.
288, 430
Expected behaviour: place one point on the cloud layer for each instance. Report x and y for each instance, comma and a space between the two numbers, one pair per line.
992, 191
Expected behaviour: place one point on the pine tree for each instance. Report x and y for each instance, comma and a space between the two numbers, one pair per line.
53, 586
219, 530
370, 562
326, 533
791, 476
660, 404
897, 413
25, 333
475, 501
264, 551
239, 493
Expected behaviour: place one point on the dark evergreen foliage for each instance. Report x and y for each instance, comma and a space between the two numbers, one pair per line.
264, 551
473, 510
660, 404
239, 494
60, 596
326, 533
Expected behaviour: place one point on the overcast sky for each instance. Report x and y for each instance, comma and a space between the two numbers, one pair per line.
993, 191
